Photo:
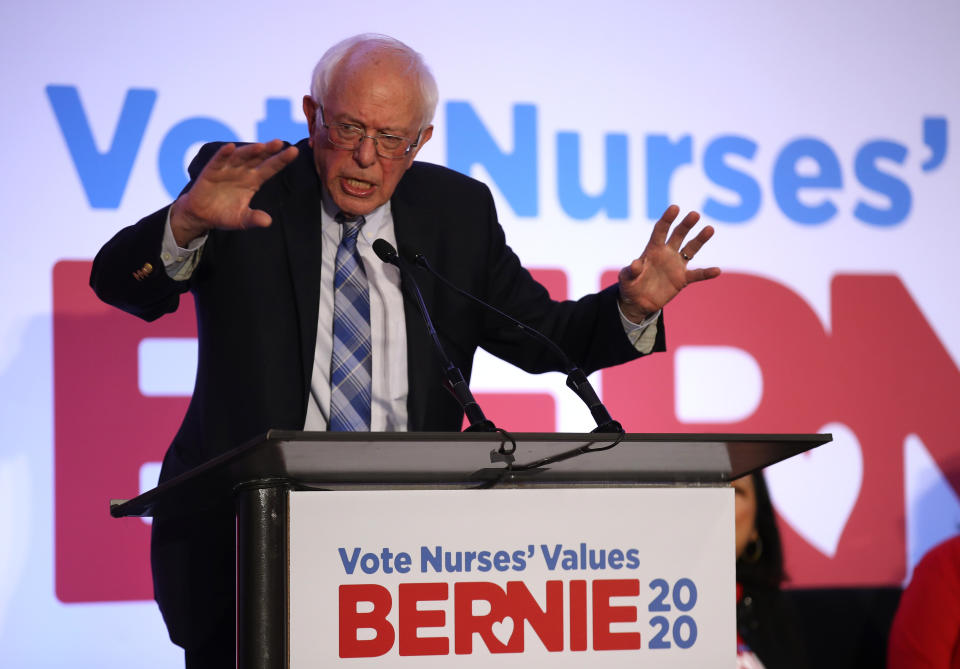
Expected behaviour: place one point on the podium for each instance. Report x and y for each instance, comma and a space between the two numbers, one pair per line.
263, 474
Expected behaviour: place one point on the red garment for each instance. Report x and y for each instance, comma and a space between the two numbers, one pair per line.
926, 628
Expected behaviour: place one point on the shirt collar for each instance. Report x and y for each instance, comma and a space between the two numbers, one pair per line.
375, 220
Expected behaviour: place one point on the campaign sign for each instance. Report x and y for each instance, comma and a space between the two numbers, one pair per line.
617, 577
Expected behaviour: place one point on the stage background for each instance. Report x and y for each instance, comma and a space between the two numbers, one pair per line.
816, 137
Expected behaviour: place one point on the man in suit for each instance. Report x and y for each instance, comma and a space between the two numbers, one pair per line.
256, 238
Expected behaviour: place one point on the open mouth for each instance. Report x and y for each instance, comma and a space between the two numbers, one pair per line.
356, 187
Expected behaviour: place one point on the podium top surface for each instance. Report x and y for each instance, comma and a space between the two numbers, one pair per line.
385, 460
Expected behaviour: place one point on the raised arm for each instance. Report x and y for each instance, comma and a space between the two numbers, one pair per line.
128, 272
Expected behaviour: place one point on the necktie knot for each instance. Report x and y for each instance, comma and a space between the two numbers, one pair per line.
351, 226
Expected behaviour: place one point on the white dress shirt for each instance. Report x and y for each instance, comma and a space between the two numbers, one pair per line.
388, 332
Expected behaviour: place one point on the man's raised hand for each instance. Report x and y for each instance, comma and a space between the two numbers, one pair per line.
220, 195
660, 273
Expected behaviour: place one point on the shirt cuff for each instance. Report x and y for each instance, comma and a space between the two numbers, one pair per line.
642, 335
179, 262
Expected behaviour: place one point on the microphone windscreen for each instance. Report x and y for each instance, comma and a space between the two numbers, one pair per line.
385, 251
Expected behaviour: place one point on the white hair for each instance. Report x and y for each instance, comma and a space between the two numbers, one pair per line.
338, 53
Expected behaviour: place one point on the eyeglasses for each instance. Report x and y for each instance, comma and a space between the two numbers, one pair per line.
350, 137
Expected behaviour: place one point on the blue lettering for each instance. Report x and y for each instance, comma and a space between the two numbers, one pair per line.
104, 176
720, 173
178, 141
434, 560
935, 136
278, 123
572, 198
663, 158
369, 563
551, 558
469, 143
787, 182
865, 167
403, 563
349, 563
804, 171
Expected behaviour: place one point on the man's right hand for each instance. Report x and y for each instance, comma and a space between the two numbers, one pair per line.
220, 195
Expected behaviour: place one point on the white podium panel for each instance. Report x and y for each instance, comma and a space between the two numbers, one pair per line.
613, 577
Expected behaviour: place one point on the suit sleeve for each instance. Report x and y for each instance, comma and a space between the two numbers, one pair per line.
589, 330
128, 271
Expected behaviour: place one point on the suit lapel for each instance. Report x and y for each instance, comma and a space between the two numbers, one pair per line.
413, 227
301, 225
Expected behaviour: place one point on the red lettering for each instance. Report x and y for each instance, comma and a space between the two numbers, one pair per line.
352, 621
879, 369
97, 400
524, 412
554, 280
412, 619
546, 622
501, 628
604, 614
578, 615
466, 624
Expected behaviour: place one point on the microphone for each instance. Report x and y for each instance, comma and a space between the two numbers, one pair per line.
576, 379
454, 377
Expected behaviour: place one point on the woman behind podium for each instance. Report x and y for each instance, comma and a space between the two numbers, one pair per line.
767, 628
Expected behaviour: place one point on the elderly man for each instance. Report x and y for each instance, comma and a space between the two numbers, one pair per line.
302, 327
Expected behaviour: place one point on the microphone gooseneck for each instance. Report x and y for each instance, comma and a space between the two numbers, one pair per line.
576, 378
454, 377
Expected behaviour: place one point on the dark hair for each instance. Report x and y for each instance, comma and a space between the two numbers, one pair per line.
767, 569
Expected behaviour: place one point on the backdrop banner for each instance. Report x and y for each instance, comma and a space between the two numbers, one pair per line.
816, 137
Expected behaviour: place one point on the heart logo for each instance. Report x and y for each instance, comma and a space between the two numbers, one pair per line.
503, 630
815, 492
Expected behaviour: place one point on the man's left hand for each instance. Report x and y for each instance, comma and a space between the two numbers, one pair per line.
655, 278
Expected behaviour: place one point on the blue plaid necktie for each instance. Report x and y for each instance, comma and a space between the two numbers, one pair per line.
350, 364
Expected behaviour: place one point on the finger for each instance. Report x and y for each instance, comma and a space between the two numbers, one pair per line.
251, 155
257, 218
659, 234
690, 248
694, 275
631, 271
221, 157
277, 162
680, 232
273, 145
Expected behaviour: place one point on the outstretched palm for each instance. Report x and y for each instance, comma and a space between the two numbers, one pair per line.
220, 196
655, 278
